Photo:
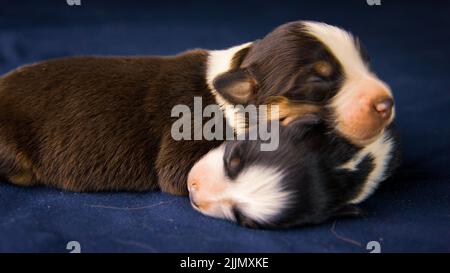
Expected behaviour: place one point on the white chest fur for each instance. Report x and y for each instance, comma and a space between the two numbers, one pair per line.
381, 152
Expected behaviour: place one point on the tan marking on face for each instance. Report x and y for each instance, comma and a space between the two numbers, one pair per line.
323, 68
290, 110
235, 161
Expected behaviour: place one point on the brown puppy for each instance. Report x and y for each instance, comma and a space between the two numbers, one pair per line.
92, 123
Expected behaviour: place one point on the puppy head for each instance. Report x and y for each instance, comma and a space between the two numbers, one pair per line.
287, 187
313, 62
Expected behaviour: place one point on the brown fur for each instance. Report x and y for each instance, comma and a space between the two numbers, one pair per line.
95, 124
290, 110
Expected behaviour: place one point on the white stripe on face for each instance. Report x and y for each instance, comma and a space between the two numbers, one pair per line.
361, 90
342, 46
259, 194
257, 191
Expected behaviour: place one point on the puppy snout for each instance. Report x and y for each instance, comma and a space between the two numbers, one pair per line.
364, 110
383, 107
207, 183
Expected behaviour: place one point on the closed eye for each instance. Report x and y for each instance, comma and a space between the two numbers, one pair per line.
316, 89
315, 79
232, 160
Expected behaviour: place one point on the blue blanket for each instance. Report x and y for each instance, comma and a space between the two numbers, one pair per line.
409, 43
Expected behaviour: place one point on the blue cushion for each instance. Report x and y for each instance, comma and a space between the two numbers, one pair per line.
409, 44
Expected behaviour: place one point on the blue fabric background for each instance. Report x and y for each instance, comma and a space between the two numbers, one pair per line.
409, 43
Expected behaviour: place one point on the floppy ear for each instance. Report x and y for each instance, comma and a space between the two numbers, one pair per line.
300, 112
236, 86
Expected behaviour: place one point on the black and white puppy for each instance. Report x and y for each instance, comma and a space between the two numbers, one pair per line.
311, 177
302, 62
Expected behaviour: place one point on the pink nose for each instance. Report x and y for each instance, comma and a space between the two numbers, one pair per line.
384, 107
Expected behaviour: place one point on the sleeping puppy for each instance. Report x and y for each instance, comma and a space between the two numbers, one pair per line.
104, 123
313, 176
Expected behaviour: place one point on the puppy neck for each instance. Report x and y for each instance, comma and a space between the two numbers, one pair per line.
219, 62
